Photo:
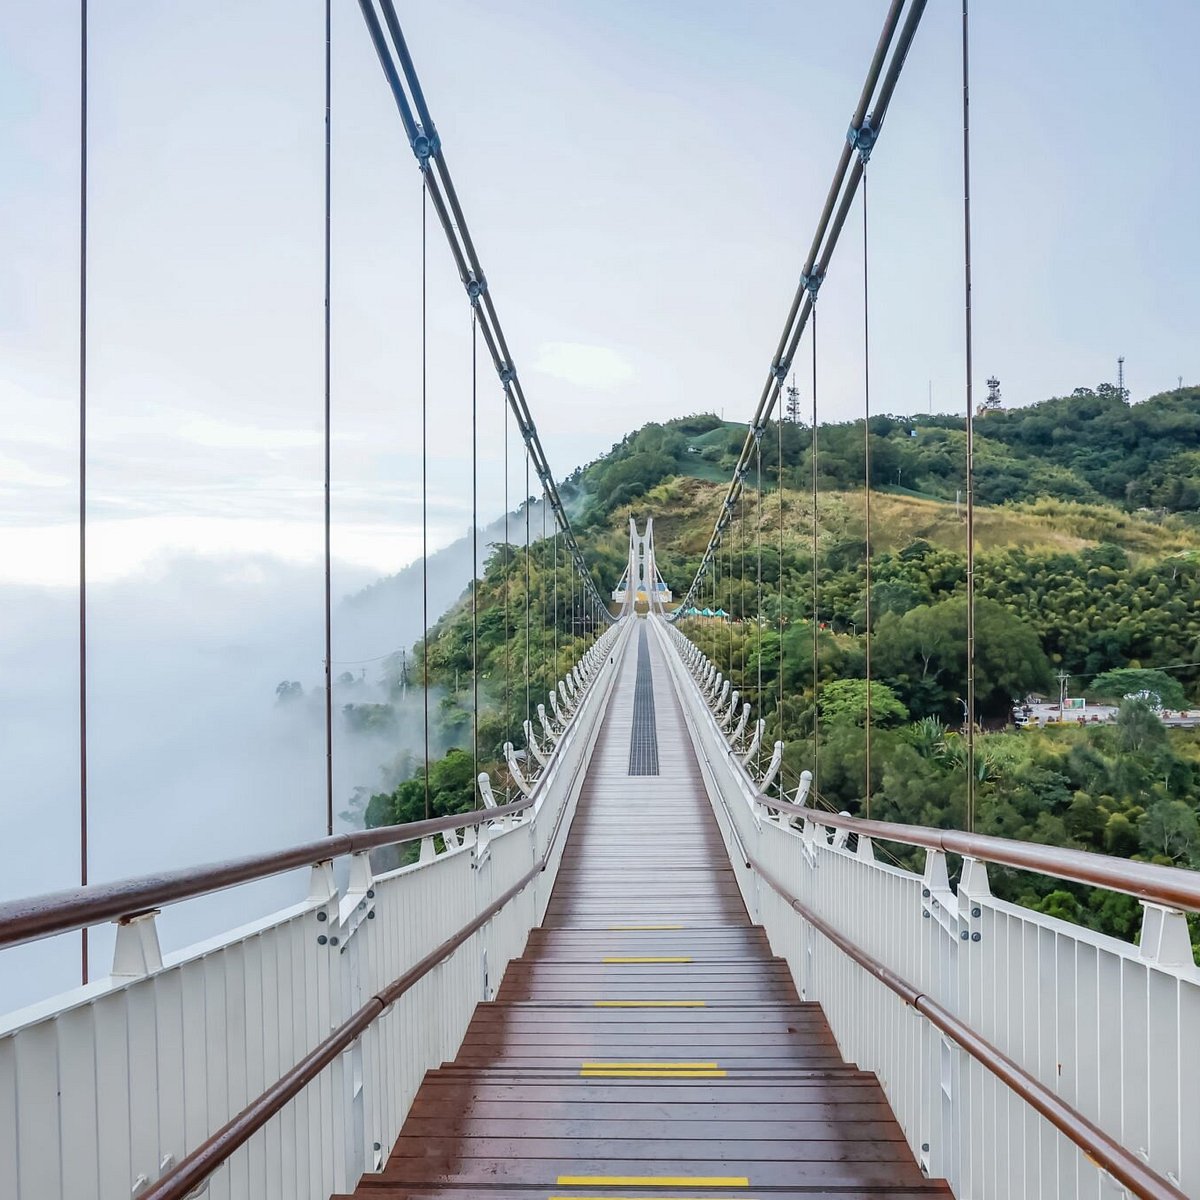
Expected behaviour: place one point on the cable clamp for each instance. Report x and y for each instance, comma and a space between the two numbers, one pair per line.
812, 283
863, 139
425, 145
758, 431
507, 376
780, 369
476, 287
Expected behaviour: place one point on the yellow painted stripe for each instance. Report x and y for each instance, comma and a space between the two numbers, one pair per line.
606, 1074
649, 1066
649, 1003
637, 928
695, 1181
670, 958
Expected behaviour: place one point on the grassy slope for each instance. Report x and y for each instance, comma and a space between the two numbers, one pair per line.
684, 509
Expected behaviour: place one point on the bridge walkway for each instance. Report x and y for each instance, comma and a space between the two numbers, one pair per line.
647, 1044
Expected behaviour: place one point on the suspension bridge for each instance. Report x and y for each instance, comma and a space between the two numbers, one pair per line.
647, 963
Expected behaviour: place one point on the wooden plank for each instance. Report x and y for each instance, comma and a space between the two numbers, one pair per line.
667, 1057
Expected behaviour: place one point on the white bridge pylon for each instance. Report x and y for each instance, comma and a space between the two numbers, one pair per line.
641, 582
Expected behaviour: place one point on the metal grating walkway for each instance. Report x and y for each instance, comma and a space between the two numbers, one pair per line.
643, 739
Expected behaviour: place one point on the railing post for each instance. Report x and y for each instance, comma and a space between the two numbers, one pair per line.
136, 952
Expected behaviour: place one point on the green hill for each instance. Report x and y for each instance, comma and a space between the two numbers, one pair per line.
1088, 561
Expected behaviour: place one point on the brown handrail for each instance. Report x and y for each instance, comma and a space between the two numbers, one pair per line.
207, 1157
1121, 1163
1173, 887
42, 916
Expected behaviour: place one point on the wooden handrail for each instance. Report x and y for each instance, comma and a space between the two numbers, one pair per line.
1173, 887
1123, 1164
42, 916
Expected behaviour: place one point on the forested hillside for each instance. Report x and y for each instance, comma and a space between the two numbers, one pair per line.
1088, 560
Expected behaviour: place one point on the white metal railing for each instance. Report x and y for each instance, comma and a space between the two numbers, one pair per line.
103, 1091
1107, 1031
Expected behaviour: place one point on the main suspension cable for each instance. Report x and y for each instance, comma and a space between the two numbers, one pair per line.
876, 95
328, 474
867, 492
396, 62
83, 293
966, 124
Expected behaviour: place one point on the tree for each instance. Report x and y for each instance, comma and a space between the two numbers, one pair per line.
844, 702
923, 653
1169, 827
1138, 726
1154, 686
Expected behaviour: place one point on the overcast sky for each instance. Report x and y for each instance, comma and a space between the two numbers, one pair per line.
642, 179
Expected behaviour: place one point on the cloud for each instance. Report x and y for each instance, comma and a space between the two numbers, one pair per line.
597, 367
229, 435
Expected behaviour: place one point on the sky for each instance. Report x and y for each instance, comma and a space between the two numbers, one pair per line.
642, 179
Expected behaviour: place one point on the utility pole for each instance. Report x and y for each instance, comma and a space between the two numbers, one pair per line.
1121, 378
1062, 678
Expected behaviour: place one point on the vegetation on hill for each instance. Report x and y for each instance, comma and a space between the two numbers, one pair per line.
1088, 562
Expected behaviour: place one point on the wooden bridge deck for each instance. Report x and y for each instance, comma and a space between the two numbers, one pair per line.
647, 1044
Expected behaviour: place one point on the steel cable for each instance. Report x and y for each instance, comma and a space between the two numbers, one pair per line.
867, 494
327, 427
425, 478
966, 126
474, 554
816, 648
83, 293
880, 86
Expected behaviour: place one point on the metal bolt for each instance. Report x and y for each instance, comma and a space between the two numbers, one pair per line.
936, 904
925, 912
333, 941
322, 915
322, 940
976, 911
924, 1147
361, 905
370, 893
925, 893
376, 1146
975, 937
964, 935
371, 915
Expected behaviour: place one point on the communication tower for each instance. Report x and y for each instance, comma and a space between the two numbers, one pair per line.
793, 402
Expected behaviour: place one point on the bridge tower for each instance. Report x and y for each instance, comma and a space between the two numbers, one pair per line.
641, 580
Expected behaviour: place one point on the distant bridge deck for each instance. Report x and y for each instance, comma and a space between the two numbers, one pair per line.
647, 1042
